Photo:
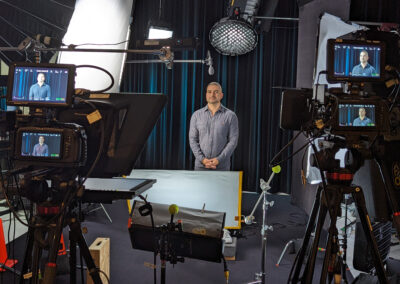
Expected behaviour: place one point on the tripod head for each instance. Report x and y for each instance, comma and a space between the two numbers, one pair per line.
325, 160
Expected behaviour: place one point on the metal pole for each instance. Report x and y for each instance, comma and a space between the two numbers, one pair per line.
275, 18
140, 51
264, 238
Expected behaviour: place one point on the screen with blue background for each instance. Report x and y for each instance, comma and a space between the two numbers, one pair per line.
25, 78
52, 140
348, 113
347, 56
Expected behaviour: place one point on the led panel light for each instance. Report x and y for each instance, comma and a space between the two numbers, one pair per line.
159, 33
233, 37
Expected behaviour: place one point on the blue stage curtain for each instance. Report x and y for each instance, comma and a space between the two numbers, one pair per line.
252, 86
3, 92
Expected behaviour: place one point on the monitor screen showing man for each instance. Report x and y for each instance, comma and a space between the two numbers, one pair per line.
357, 61
40, 91
357, 115
364, 68
40, 84
41, 144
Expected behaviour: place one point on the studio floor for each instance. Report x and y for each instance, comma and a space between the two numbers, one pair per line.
133, 266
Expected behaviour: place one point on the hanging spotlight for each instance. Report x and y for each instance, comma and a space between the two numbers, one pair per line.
233, 36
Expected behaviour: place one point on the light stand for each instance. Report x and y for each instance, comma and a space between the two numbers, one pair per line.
265, 186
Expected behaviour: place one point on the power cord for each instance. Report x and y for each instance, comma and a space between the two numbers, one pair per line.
101, 69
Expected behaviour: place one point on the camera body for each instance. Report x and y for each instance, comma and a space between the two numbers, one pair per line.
63, 146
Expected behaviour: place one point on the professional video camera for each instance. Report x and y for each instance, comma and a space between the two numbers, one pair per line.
335, 112
362, 116
64, 137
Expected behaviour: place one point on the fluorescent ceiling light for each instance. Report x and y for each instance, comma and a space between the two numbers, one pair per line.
159, 33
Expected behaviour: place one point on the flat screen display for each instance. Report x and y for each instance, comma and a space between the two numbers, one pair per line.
40, 85
357, 115
35, 144
355, 61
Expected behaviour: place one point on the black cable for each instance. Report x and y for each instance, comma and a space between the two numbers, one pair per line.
292, 155
102, 128
394, 99
105, 275
101, 69
10, 166
272, 163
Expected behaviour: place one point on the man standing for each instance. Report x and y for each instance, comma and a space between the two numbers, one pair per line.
362, 120
41, 149
364, 68
214, 132
39, 91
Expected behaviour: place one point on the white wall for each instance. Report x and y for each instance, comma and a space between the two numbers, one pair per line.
98, 22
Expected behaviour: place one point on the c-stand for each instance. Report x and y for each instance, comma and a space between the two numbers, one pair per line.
167, 244
265, 186
328, 199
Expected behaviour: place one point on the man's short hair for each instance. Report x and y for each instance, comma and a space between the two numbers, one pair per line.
364, 51
215, 84
41, 73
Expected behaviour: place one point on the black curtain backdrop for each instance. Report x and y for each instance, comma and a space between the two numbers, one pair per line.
387, 11
251, 83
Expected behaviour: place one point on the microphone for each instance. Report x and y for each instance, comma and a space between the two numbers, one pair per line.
210, 70
49, 41
173, 210
265, 185
209, 62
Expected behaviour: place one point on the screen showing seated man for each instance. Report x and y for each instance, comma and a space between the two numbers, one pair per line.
41, 144
352, 60
38, 84
356, 115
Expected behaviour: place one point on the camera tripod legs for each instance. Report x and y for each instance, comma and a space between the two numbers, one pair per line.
307, 235
76, 237
36, 243
333, 195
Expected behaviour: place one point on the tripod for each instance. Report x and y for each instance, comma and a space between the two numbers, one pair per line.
328, 199
44, 233
36, 243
